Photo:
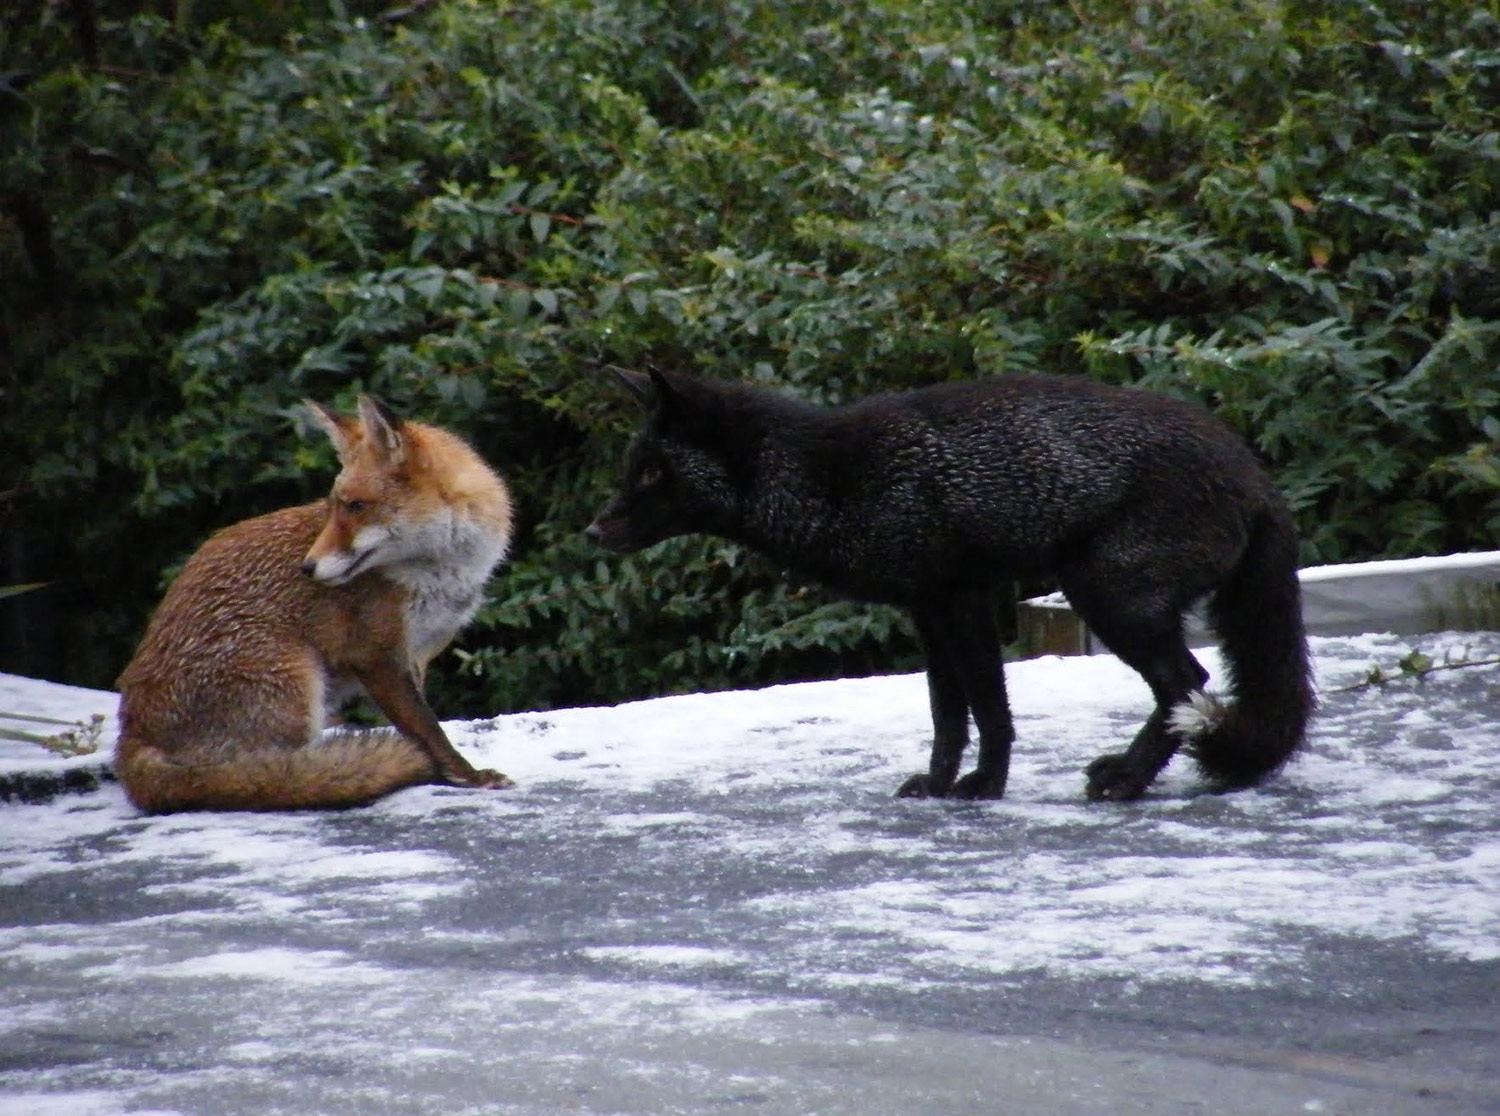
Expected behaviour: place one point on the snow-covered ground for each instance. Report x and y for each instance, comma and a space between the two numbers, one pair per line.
713, 903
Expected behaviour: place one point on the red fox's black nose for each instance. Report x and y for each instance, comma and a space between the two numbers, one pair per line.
308, 567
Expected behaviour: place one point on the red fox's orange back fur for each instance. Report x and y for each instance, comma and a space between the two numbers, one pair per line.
278, 619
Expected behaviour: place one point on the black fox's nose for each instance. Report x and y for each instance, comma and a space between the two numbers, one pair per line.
593, 532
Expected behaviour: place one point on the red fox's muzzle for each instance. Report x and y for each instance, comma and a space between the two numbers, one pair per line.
336, 569
338, 557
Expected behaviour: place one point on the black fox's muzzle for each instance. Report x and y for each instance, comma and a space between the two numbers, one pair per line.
620, 527
627, 524
611, 534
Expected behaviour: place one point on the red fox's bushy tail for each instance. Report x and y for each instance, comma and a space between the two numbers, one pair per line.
342, 768
1257, 614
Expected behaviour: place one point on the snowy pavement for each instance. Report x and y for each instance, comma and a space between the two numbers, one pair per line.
713, 904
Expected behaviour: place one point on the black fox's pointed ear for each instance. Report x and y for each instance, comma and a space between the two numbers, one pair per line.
637, 383
652, 389
339, 428
382, 428
665, 392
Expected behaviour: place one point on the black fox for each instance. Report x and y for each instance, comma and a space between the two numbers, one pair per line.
1138, 504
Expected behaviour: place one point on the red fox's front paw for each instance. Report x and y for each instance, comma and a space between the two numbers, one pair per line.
494, 780
479, 777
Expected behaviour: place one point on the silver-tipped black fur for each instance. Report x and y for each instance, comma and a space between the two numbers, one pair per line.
1138, 504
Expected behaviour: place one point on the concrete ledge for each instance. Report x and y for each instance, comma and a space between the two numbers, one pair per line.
1413, 596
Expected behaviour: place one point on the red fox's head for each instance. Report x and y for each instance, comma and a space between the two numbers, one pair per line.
371, 517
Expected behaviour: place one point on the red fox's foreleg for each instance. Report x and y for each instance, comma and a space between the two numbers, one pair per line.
393, 687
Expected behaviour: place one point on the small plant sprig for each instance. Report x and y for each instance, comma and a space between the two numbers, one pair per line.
78, 738
1415, 664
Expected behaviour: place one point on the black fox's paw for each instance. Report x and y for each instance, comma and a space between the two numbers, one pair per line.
979, 784
922, 786
1113, 778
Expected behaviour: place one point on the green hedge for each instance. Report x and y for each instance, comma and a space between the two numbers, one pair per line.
1289, 215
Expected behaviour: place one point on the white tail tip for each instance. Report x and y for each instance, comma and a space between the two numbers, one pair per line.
1197, 716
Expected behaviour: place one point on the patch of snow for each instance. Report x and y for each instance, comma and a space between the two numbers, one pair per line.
689, 861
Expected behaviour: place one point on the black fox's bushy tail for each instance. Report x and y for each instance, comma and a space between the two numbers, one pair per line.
1257, 614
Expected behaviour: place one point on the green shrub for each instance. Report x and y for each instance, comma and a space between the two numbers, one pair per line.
1286, 214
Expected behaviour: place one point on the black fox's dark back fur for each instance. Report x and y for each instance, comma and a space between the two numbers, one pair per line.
968, 482
1138, 503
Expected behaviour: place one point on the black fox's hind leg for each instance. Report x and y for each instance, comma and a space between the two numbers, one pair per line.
1150, 642
964, 673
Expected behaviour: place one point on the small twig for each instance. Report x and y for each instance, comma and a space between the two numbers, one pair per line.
4, 716
406, 11
528, 211
1415, 665
17, 590
81, 739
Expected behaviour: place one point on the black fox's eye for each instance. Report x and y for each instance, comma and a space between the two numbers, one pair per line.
648, 478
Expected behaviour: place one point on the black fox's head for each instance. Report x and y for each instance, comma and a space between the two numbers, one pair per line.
678, 478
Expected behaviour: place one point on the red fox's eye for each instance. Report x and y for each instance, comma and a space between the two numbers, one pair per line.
354, 507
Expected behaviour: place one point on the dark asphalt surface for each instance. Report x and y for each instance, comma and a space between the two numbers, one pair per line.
752, 925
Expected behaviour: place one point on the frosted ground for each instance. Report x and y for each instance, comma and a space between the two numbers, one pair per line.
712, 904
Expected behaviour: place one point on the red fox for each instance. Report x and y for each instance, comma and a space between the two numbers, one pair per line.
275, 621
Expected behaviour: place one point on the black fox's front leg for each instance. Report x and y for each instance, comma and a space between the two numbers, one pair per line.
964, 674
950, 714
976, 649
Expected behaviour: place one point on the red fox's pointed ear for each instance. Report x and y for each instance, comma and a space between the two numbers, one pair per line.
382, 428
339, 428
